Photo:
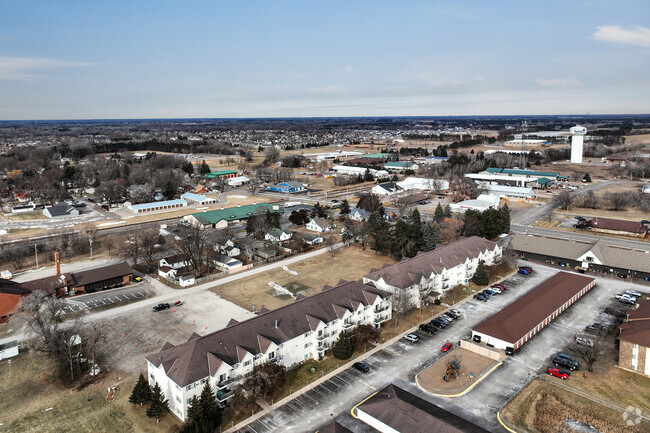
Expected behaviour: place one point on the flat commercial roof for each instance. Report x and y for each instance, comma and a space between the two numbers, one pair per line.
521, 316
158, 204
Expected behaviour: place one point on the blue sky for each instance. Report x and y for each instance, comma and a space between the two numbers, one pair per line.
199, 58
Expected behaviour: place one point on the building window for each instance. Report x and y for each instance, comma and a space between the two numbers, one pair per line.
271, 355
179, 399
247, 363
222, 377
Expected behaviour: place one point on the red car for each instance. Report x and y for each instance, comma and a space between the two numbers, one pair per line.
501, 286
447, 346
558, 373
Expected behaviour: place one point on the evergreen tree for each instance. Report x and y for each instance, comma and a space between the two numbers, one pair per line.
158, 406
209, 405
169, 191
204, 168
194, 411
141, 392
318, 212
490, 223
447, 213
586, 178
431, 237
345, 207
343, 347
481, 276
439, 213
505, 218
471, 226
348, 234
415, 217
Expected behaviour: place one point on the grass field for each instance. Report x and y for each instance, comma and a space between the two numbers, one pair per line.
528, 412
25, 216
350, 263
28, 389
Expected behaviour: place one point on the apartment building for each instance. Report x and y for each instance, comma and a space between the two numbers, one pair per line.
288, 335
435, 271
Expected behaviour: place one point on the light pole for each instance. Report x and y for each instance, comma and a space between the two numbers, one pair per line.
36, 254
90, 241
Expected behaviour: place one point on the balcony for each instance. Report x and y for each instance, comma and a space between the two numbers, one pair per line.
224, 395
381, 310
347, 325
225, 383
380, 319
321, 337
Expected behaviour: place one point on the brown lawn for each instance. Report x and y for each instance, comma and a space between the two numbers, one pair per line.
349, 263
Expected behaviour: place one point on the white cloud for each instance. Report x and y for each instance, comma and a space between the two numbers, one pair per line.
558, 82
639, 36
23, 68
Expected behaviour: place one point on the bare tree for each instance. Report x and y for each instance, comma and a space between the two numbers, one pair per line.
331, 244
95, 334
620, 200
564, 199
402, 303
193, 248
590, 199
149, 243
90, 231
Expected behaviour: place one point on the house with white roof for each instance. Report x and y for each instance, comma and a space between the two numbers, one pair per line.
423, 184
386, 188
481, 203
199, 199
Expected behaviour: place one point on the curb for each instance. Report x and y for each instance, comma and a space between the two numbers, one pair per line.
465, 391
504, 424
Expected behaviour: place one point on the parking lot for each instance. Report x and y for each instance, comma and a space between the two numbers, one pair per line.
108, 297
400, 361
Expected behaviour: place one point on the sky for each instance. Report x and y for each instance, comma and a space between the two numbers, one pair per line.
118, 59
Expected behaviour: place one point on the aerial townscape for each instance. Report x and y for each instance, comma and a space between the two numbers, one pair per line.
360, 217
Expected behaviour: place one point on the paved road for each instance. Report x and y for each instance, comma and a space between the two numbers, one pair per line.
399, 362
583, 236
170, 295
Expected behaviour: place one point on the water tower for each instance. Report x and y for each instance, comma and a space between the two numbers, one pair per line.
577, 137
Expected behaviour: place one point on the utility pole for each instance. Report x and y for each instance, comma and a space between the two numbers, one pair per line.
90, 241
36, 254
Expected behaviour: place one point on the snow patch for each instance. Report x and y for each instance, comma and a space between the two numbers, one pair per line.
284, 268
279, 290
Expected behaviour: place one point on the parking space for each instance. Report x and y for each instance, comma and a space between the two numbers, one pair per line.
107, 297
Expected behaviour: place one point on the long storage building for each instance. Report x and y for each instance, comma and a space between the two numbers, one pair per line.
517, 323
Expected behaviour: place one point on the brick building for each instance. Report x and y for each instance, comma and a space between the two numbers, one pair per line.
634, 348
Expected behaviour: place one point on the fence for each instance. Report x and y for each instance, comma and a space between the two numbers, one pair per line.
211, 277
481, 350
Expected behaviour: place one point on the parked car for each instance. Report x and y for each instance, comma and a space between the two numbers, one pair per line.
439, 323
523, 271
448, 317
480, 297
361, 366
452, 315
447, 320
427, 327
566, 361
446, 347
496, 290
584, 341
456, 312
558, 373
500, 285
634, 293
628, 301
621, 296
160, 307
595, 328
489, 292
528, 268
412, 338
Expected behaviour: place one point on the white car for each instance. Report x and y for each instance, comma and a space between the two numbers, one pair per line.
496, 289
411, 338
633, 293
626, 297
456, 312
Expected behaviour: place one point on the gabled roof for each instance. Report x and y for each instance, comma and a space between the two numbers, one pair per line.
322, 222
519, 317
637, 329
235, 213
187, 362
60, 210
619, 225
410, 271
550, 246
406, 412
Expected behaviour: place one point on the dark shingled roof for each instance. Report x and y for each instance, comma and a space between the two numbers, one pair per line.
637, 329
521, 316
193, 360
618, 225
77, 279
405, 412
408, 271
414, 198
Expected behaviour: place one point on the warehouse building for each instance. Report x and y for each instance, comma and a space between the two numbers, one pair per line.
220, 218
200, 199
517, 323
157, 206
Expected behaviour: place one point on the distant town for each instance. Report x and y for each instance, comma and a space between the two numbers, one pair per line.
406, 274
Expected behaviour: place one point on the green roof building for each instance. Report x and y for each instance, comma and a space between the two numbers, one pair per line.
377, 155
227, 174
220, 218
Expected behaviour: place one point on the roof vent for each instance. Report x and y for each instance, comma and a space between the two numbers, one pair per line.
276, 323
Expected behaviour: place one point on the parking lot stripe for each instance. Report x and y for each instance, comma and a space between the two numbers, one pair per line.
369, 386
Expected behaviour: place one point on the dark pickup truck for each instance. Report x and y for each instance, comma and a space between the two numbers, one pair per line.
565, 361
161, 307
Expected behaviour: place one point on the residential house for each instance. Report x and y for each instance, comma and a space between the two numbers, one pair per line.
634, 338
320, 225
60, 210
278, 235
229, 248
22, 197
358, 214
411, 199
433, 272
220, 218
255, 248
227, 263
311, 239
386, 188
287, 187
289, 335
24, 208
176, 261
201, 189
